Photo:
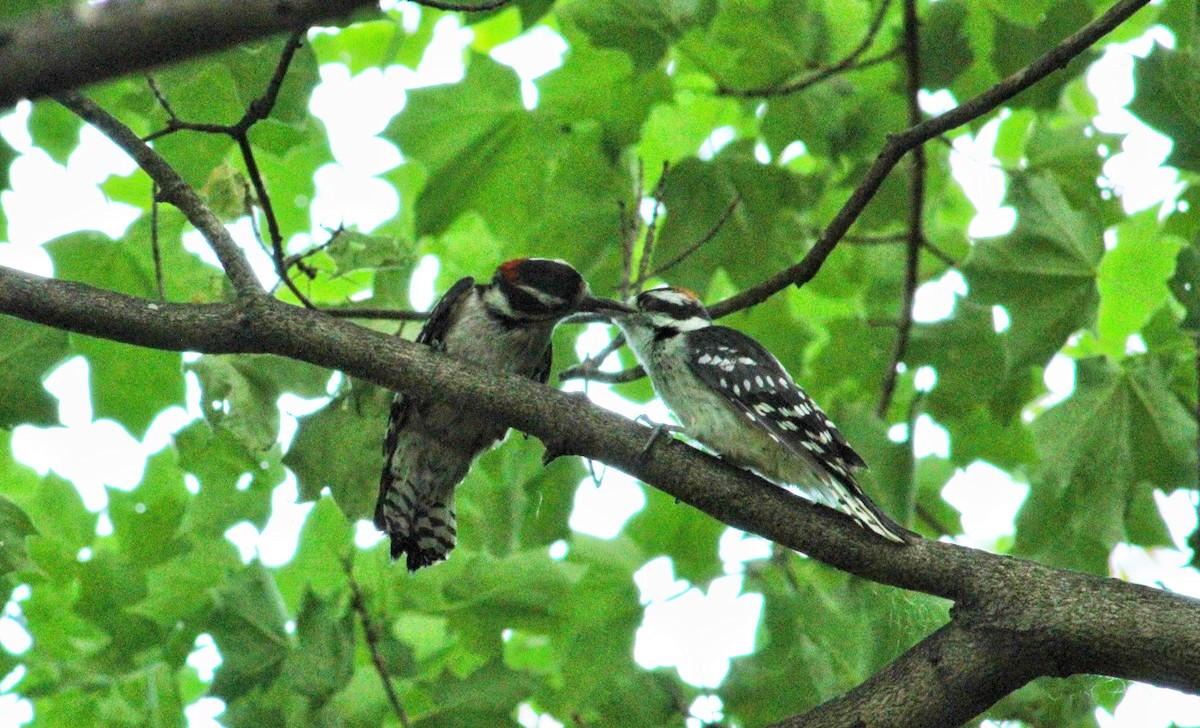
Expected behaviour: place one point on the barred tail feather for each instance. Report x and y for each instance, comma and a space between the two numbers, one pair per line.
849, 499
425, 531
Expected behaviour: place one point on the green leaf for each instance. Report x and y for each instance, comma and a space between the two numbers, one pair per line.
323, 659
641, 28
27, 354
220, 461
14, 527
239, 394
1185, 285
54, 129
146, 520
1168, 99
248, 627
1122, 429
129, 384
326, 540
338, 447
1043, 272
689, 537
493, 158
1133, 280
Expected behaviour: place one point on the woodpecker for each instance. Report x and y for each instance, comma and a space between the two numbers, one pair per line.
730, 394
504, 325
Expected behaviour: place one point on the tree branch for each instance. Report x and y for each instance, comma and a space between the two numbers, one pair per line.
1063, 622
174, 190
76, 45
945, 680
898, 145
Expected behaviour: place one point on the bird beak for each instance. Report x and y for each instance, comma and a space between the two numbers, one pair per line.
603, 306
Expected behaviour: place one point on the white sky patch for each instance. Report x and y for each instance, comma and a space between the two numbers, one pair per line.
530, 718
203, 713
11, 679
355, 109
532, 55
1000, 319
978, 173
934, 300
792, 151
244, 536
988, 499
1059, 378
736, 547
1146, 706
276, 545
698, 633
14, 711
925, 379
366, 535
242, 233
715, 142
48, 200
421, 292
1136, 172
936, 102
706, 710
930, 438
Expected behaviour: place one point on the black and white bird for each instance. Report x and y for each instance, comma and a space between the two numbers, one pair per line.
732, 395
504, 325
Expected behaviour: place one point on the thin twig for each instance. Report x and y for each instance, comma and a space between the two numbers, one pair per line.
258, 110
916, 208
708, 237
816, 77
173, 189
898, 145
154, 248
938, 253
371, 635
652, 228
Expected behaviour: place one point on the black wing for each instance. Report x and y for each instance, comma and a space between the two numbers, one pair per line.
432, 334
757, 386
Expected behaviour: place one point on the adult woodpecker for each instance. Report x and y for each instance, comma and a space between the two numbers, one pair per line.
732, 395
504, 325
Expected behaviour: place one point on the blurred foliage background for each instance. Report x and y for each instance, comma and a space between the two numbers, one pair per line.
115, 597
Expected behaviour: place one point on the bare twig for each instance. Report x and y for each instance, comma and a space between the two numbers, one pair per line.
651, 229
371, 635
916, 208
173, 190
708, 237
816, 77
898, 145
259, 109
154, 248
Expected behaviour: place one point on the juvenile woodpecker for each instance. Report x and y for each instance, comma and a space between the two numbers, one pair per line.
732, 395
504, 325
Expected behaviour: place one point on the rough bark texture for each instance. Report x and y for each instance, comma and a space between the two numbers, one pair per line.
80, 44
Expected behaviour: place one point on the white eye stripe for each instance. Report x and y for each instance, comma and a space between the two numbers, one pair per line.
549, 300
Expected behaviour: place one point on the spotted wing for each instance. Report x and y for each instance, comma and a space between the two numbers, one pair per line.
432, 334
757, 386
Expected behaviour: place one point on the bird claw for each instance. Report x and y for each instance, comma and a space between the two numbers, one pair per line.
659, 429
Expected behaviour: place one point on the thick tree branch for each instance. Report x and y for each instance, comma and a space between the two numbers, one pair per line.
76, 45
898, 145
948, 678
172, 189
1062, 622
